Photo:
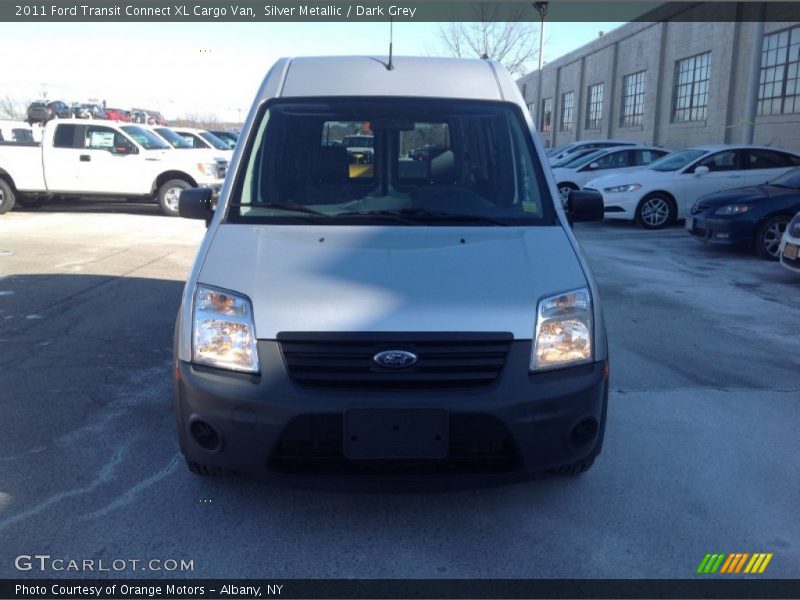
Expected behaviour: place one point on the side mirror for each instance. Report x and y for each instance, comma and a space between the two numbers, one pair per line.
584, 206
701, 170
195, 203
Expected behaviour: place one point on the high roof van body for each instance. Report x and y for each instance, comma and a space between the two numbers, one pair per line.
428, 312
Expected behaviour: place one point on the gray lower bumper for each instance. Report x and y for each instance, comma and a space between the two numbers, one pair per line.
254, 415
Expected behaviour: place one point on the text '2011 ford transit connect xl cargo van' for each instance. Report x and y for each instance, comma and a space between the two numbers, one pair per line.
390, 309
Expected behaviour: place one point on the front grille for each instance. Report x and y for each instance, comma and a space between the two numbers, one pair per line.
477, 444
346, 360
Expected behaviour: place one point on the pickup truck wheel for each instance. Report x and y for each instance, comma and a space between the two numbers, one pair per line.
168, 195
6, 197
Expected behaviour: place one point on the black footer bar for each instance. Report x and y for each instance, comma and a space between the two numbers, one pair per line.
246, 589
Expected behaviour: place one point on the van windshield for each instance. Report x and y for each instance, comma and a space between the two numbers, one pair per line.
347, 161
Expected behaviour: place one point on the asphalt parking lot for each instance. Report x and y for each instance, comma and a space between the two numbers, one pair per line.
700, 455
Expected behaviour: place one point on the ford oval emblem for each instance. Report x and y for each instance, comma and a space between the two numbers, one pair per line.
395, 359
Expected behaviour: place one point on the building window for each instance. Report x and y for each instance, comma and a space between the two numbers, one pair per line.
545, 118
567, 110
690, 102
779, 85
633, 99
594, 106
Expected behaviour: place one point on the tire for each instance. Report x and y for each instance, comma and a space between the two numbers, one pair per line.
564, 189
29, 203
168, 195
656, 211
768, 237
7, 197
204, 470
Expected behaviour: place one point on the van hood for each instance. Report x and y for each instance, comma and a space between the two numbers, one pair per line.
392, 279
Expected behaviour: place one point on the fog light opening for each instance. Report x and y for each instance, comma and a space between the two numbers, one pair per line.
205, 435
584, 432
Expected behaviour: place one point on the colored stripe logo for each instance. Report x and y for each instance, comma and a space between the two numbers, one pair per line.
738, 562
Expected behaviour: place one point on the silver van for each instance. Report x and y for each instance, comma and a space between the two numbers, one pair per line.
390, 310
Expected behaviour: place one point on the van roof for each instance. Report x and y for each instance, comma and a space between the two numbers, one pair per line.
368, 76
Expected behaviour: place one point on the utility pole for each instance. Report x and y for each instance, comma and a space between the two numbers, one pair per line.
755, 72
541, 8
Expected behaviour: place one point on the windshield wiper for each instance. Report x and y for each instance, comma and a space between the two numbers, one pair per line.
783, 185
380, 214
287, 207
422, 213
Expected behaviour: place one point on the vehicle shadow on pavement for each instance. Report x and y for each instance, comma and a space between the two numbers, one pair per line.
101, 206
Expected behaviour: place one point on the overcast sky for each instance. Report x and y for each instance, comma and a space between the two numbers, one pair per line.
201, 68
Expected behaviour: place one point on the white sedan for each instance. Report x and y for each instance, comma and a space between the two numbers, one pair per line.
574, 174
789, 250
665, 191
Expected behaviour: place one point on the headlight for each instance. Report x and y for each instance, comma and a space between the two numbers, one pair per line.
732, 209
223, 332
629, 187
563, 331
208, 169
794, 226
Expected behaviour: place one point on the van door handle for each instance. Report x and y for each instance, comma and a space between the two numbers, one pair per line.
86, 158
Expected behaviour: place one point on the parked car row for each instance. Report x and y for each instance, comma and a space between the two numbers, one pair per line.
43, 111
733, 195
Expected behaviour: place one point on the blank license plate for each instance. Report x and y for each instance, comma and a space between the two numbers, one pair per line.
790, 251
399, 434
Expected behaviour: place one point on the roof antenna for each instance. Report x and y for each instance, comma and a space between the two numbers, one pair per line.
390, 65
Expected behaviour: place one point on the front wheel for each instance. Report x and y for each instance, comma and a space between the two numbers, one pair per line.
564, 189
768, 237
6, 197
656, 211
169, 194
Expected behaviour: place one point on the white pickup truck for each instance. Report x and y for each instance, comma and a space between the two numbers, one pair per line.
89, 158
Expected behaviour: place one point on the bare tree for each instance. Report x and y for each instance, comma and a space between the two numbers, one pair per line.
513, 41
12, 109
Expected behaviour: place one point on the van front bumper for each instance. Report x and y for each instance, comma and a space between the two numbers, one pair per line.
521, 423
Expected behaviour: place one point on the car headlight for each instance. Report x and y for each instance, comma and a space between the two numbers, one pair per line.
208, 169
794, 226
563, 331
628, 187
732, 209
223, 331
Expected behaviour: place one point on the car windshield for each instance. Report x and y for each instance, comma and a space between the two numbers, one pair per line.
790, 179
146, 139
488, 173
585, 159
214, 141
678, 160
173, 139
572, 156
